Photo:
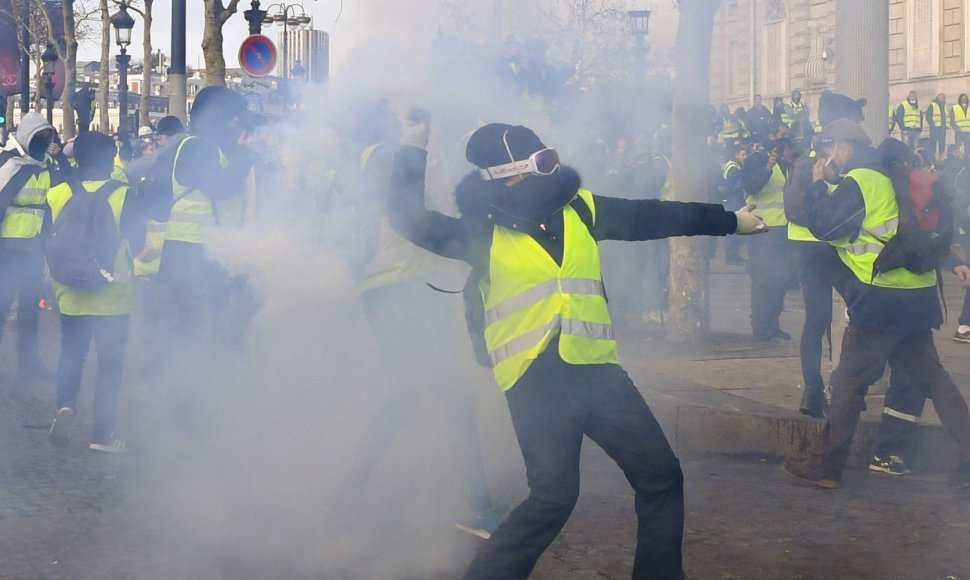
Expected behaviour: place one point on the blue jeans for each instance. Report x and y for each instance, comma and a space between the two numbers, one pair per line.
553, 406
110, 335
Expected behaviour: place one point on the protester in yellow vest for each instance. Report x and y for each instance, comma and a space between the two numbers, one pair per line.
909, 117
395, 272
770, 263
24, 182
210, 168
531, 231
103, 313
936, 118
891, 314
960, 121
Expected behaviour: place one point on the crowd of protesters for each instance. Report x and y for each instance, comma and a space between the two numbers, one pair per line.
560, 373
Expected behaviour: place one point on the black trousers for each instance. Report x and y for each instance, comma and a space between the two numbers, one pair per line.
772, 270
110, 335
937, 145
902, 409
22, 277
553, 405
865, 353
818, 268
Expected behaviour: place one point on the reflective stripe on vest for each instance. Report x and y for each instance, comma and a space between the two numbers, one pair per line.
24, 217
771, 199
729, 166
191, 212
878, 227
529, 299
729, 128
911, 116
961, 118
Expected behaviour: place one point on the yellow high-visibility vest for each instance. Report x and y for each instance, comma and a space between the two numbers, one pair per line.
529, 299
878, 227
936, 115
962, 118
771, 199
24, 217
911, 116
192, 211
114, 299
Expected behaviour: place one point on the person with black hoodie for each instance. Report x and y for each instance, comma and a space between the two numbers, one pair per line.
530, 232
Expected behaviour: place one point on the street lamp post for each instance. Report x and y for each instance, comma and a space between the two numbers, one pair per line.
123, 23
49, 57
639, 26
290, 16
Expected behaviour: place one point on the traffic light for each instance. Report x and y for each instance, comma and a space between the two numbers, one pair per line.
3, 110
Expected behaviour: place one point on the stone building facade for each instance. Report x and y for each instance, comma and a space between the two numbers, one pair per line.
772, 47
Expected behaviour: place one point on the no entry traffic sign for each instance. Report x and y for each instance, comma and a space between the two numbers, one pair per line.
257, 55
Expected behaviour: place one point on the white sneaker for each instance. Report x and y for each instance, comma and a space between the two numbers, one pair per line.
60, 435
112, 445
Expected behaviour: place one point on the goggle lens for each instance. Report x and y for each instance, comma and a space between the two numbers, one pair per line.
546, 161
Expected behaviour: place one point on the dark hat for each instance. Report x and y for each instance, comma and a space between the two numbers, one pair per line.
832, 106
170, 125
214, 109
844, 130
486, 146
92, 148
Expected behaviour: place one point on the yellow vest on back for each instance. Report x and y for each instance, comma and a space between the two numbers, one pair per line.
771, 199
24, 217
113, 299
529, 299
878, 227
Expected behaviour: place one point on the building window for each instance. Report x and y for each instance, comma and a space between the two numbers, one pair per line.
774, 49
924, 34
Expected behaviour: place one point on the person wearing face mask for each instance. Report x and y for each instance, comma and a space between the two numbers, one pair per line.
24, 181
818, 266
891, 314
770, 263
530, 231
909, 117
960, 121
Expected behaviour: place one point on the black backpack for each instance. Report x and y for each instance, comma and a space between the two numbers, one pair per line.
925, 231
84, 241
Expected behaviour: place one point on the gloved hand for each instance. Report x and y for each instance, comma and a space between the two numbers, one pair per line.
415, 128
748, 223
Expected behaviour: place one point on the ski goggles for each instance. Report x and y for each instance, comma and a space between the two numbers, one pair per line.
542, 162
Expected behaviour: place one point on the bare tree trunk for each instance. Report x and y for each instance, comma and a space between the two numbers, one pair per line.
103, 88
70, 71
147, 68
689, 286
215, 64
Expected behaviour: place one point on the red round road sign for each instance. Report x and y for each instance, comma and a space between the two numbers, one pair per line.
257, 55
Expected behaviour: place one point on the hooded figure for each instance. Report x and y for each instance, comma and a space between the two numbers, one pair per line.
24, 182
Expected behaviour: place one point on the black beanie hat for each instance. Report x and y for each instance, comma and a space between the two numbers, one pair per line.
832, 106
170, 125
92, 148
486, 147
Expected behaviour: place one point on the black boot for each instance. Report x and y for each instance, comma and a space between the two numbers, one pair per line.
813, 402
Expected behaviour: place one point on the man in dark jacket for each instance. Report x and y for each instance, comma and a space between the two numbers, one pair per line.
818, 264
891, 315
530, 232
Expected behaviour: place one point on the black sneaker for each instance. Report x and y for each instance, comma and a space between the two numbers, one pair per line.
889, 464
802, 470
814, 403
961, 477
60, 435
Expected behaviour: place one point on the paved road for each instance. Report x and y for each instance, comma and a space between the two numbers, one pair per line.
247, 497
